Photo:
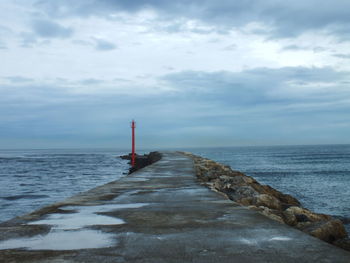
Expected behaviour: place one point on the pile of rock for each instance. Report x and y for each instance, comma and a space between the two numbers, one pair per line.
283, 208
142, 160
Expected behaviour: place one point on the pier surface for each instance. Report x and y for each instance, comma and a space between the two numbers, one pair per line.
157, 214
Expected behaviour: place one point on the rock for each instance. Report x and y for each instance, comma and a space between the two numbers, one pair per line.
267, 201
233, 181
289, 218
255, 208
237, 193
234, 173
284, 198
212, 175
314, 217
303, 225
272, 214
301, 218
219, 185
328, 231
249, 180
247, 201
142, 160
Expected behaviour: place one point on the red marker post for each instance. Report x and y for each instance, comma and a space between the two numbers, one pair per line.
133, 143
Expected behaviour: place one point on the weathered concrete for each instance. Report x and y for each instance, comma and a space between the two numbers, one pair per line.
157, 214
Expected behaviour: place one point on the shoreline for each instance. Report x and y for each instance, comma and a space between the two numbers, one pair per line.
283, 208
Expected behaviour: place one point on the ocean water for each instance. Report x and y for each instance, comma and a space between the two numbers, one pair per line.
30, 179
318, 176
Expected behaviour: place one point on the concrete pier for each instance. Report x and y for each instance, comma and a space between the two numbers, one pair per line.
157, 214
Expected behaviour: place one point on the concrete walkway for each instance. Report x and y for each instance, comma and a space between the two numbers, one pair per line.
158, 214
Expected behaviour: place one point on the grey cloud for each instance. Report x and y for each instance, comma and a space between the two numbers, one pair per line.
262, 85
303, 48
97, 43
19, 79
283, 18
2, 45
104, 45
344, 56
50, 29
91, 81
28, 39
214, 104
230, 47
4, 33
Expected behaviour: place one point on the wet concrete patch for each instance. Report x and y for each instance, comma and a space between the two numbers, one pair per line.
62, 240
69, 229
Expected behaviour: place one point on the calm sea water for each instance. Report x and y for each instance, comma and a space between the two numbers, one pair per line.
318, 176
30, 179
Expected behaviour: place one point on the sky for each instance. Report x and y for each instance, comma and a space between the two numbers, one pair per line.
194, 73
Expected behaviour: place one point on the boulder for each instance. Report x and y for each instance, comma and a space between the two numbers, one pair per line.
328, 231
248, 179
284, 198
267, 201
272, 214
304, 214
237, 193
289, 218
246, 201
232, 181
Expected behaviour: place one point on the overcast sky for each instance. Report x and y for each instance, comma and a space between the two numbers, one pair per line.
190, 72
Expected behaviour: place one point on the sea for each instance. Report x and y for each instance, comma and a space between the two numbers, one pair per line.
318, 176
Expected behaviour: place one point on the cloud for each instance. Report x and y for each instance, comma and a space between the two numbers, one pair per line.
18, 79
91, 81
4, 33
315, 49
258, 106
50, 29
104, 45
230, 47
344, 56
2, 45
280, 19
263, 85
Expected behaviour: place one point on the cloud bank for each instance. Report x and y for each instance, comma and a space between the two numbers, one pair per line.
192, 73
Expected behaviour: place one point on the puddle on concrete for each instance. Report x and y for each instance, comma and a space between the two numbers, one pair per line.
62, 240
137, 179
77, 220
68, 230
85, 216
280, 239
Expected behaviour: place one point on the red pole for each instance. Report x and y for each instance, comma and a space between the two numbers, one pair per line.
133, 143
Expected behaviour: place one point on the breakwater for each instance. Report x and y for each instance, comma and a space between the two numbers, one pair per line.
270, 202
159, 213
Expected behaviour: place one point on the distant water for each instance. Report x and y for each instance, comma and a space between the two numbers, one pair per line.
30, 179
318, 176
